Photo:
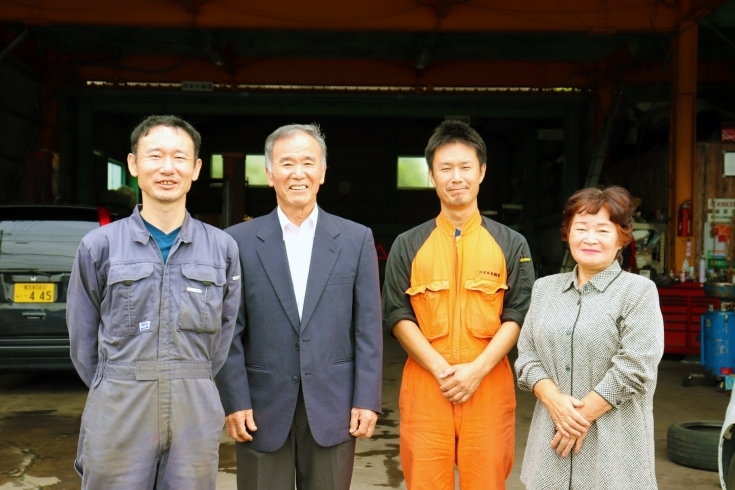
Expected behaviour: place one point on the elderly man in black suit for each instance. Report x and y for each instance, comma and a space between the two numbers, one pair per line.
303, 376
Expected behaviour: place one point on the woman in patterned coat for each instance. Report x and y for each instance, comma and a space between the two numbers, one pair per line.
589, 350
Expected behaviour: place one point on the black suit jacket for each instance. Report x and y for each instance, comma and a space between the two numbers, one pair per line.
334, 352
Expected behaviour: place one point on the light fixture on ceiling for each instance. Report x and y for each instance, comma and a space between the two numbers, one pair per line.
423, 59
214, 55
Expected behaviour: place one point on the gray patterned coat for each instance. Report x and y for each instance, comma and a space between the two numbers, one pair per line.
607, 337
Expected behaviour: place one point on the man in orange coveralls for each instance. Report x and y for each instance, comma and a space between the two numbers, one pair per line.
456, 292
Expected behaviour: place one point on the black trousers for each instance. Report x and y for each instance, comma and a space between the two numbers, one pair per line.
300, 459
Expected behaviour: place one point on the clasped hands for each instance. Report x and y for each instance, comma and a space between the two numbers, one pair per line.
571, 422
240, 424
459, 382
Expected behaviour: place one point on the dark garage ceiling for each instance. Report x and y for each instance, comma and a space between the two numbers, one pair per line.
535, 43
122, 41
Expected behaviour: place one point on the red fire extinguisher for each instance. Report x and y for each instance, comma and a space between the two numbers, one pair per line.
685, 219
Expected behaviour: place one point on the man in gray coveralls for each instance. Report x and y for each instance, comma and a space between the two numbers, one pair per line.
151, 307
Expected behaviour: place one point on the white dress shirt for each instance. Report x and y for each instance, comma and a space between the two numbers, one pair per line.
299, 241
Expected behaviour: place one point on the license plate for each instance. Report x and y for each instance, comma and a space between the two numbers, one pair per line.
34, 293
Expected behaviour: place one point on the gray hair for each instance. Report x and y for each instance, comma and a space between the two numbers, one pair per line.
312, 130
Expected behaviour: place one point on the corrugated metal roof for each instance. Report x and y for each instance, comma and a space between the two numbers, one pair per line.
335, 45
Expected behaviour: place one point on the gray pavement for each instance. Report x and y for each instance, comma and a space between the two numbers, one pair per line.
40, 413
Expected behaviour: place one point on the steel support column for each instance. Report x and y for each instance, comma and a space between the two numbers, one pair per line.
84, 153
530, 188
572, 146
50, 137
601, 107
504, 168
683, 131
234, 170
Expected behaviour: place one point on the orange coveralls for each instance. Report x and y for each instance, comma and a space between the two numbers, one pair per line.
457, 286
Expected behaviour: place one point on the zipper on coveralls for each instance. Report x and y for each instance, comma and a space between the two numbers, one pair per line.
160, 288
164, 277
164, 390
457, 332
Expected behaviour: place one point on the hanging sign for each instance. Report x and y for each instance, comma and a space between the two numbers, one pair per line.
720, 210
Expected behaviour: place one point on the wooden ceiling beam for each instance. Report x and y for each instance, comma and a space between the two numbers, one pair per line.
366, 72
190, 6
370, 15
442, 8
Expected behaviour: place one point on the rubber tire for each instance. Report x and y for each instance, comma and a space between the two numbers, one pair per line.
730, 478
694, 444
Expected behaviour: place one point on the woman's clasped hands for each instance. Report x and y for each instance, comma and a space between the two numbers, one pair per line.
568, 416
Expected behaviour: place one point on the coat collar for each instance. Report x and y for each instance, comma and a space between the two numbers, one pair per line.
599, 281
141, 233
273, 257
324, 255
447, 227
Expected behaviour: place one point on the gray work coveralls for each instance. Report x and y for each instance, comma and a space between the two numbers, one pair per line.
148, 338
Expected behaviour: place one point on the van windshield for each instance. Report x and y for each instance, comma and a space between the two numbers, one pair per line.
41, 246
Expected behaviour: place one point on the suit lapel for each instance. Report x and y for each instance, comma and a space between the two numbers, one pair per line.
272, 254
324, 255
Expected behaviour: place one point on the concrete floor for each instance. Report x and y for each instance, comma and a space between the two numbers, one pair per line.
40, 413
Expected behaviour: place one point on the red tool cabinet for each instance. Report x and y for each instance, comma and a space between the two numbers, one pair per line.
681, 306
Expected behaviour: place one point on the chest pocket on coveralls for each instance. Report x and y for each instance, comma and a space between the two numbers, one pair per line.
430, 303
200, 303
484, 305
132, 294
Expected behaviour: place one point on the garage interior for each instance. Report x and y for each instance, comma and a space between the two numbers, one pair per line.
566, 93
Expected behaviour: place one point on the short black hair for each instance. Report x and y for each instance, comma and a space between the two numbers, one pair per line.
175, 122
453, 131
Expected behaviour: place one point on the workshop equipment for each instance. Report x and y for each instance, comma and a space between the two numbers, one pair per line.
717, 330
